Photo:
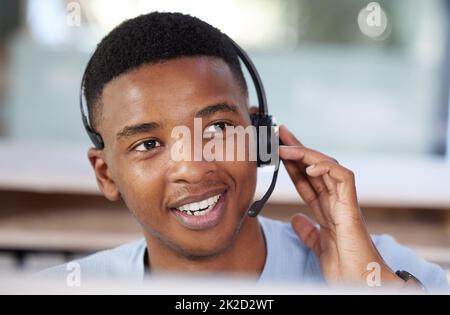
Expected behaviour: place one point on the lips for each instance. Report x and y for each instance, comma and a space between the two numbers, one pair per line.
201, 207
202, 211
195, 198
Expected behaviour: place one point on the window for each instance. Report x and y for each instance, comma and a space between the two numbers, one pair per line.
337, 88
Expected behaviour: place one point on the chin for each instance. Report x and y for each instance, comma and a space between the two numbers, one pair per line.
184, 236
207, 243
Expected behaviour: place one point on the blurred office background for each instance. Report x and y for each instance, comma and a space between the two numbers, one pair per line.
373, 95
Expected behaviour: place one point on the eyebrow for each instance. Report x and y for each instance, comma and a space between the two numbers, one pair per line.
133, 130
217, 108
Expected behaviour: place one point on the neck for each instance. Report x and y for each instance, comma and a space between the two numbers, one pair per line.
246, 255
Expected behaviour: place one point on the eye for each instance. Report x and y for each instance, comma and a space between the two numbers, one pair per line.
147, 145
218, 127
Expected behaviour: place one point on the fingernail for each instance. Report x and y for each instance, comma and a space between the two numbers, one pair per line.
309, 168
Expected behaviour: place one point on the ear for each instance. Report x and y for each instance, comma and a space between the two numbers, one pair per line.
103, 174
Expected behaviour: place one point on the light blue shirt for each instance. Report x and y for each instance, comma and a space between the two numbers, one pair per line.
288, 259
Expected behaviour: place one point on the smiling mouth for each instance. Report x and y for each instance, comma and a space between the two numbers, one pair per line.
199, 208
201, 212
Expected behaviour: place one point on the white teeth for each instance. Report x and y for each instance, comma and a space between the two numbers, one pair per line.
204, 204
201, 207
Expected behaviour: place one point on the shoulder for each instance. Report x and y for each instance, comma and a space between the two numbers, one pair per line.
288, 258
122, 261
279, 231
399, 257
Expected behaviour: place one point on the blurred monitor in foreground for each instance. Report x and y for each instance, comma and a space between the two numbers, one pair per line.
364, 114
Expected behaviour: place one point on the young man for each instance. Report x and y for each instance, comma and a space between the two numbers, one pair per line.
162, 70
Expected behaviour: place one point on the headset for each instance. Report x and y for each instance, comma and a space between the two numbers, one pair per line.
261, 120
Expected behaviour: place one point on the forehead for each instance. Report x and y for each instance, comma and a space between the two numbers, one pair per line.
169, 90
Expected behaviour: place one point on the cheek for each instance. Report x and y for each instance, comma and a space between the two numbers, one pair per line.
142, 188
244, 175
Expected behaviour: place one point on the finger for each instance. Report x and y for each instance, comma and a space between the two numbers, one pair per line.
303, 154
330, 183
305, 188
307, 231
288, 137
340, 182
304, 157
301, 183
335, 171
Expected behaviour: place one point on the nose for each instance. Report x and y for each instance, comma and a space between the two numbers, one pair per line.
191, 172
187, 164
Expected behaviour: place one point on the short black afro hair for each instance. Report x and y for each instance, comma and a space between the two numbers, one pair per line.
149, 39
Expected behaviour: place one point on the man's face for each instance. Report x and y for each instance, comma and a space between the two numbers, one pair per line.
138, 113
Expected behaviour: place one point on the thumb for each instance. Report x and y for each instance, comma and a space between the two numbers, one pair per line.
307, 231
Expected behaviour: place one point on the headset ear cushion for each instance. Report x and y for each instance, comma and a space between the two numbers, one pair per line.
265, 122
254, 118
96, 139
